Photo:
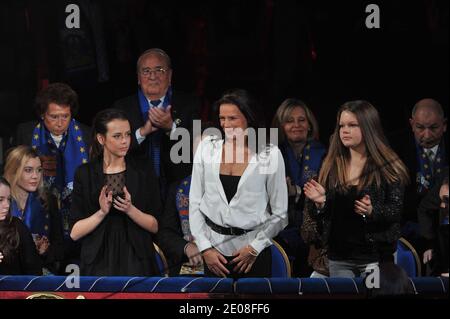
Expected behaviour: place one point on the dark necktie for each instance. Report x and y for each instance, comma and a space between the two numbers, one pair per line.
430, 160
155, 145
155, 102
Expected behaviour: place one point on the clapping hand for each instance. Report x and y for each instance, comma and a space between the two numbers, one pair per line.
161, 118
105, 200
315, 192
364, 206
123, 204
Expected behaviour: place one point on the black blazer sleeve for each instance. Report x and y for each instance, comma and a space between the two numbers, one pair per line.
388, 205
143, 186
56, 249
428, 212
30, 261
86, 190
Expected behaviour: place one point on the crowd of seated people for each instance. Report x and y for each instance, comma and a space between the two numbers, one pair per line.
100, 197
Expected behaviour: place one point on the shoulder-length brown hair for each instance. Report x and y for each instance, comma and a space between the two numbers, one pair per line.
283, 113
382, 163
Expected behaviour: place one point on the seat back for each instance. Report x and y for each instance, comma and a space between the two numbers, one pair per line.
161, 261
280, 261
407, 258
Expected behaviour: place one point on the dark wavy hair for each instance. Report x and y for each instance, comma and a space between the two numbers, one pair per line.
100, 126
59, 93
244, 102
9, 234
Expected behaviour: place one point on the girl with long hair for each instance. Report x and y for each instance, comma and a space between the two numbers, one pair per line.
18, 255
34, 205
358, 197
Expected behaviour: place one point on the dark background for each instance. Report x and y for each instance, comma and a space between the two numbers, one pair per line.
318, 51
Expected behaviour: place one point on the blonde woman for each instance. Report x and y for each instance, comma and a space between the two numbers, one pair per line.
298, 134
36, 208
359, 195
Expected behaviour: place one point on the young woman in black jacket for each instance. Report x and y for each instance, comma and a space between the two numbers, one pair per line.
114, 203
359, 195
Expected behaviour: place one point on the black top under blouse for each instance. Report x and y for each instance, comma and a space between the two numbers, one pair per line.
348, 231
230, 184
115, 182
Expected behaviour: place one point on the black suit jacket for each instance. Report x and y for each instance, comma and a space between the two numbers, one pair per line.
185, 109
428, 212
24, 133
405, 147
143, 187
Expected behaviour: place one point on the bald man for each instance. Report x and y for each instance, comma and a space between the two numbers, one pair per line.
424, 152
428, 124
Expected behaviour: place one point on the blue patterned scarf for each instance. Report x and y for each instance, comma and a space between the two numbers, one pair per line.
60, 163
34, 216
308, 166
182, 204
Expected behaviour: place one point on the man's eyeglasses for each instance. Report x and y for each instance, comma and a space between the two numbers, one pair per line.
158, 71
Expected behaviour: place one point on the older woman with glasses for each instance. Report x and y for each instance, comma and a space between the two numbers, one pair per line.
62, 144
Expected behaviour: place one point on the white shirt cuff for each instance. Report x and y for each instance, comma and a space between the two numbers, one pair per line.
139, 137
203, 244
259, 244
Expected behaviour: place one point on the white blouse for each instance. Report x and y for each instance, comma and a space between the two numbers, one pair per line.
260, 202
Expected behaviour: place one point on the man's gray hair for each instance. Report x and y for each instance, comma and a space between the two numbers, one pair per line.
155, 51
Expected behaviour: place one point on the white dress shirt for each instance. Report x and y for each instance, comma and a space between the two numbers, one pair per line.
57, 139
260, 202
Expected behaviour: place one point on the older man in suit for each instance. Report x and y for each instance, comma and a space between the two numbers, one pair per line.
424, 151
155, 113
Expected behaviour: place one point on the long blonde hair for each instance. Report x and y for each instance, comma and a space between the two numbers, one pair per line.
382, 162
14, 165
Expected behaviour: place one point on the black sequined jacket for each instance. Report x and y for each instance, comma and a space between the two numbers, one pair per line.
382, 227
